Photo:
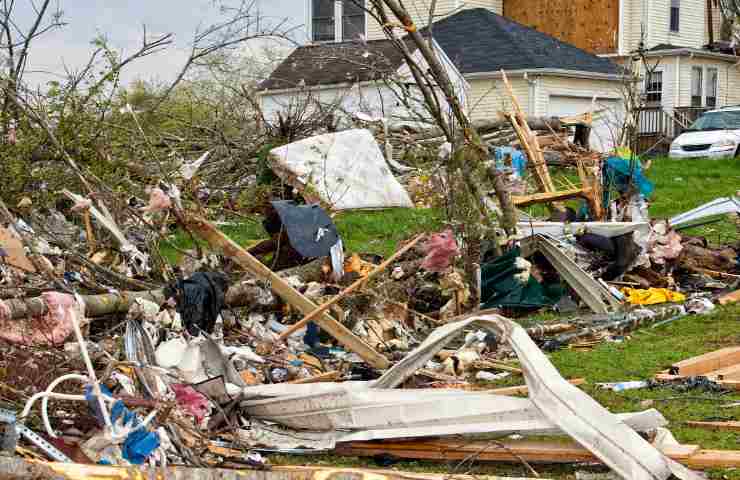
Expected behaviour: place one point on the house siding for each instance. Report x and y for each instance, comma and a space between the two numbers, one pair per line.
573, 87
728, 81
496, 5
488, 97
419, 10
692, 29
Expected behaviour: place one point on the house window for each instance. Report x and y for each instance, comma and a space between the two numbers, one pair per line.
675, 15
353, 19
712, 77
323, 26
697, 74
654, 87
337, 20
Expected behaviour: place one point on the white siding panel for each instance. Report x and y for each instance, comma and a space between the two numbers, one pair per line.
488, 97
374, 100
496, 5
656, 16
419, 10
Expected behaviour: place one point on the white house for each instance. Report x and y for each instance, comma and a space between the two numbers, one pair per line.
549, 77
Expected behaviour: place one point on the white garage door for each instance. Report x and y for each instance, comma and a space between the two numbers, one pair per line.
606, 128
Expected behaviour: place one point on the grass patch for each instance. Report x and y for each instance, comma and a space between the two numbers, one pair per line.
378, 232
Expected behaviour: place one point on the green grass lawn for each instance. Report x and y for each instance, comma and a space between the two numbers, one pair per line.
680, 186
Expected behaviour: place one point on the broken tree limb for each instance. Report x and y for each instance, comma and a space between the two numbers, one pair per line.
239, 295
357, 284
229, 248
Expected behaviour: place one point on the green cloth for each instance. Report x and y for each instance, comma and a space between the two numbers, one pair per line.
499, 287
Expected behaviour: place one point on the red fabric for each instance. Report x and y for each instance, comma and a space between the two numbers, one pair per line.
441, 249
193, 402
51, 328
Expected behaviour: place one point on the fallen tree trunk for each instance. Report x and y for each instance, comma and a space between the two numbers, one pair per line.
238, 295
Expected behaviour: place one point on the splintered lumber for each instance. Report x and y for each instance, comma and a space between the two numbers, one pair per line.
528, 140
359, 283
548, 197
530, 451
706, 363
728, 373
731, 297
332, 376
15, 468
722, 426
524, 390
342, 334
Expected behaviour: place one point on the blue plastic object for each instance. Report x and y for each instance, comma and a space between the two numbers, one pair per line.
518, 159
617, 174
139, 444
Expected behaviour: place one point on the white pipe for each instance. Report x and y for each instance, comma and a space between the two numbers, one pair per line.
88, 364
50, 390
57, 396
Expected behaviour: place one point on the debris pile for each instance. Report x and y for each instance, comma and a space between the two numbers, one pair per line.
113, 356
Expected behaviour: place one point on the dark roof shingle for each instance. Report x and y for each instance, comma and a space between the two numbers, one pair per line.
478, 40
475, 40
332, 63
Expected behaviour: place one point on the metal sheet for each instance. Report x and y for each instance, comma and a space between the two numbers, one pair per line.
560, 229
719, 206
591, 292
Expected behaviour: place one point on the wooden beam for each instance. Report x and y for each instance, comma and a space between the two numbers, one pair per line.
548, 197
723, 374
706, 363
515, 451
357, 284
523, 389
721, 426
14, 468
731, 297
218, 240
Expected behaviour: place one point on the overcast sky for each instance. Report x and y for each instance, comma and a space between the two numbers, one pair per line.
121, 21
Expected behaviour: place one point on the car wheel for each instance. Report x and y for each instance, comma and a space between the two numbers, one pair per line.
737, 152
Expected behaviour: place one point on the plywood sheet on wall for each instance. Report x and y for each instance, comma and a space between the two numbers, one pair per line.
592, 25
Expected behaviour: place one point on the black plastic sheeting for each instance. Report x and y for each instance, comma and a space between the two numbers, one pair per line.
310, 230
200, 300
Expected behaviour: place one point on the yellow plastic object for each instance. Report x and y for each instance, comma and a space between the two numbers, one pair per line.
652, 296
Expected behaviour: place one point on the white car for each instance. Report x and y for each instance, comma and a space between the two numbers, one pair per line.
715, 134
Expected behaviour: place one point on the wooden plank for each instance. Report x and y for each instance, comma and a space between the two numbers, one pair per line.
547, 197
514, 451
706, 459
571, 21
721, 426
332, 376
707, 363
723, 374
523, 389
731, 297
217, 239
14, 468
357, 284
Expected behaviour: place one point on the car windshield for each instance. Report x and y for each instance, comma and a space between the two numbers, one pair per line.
717, 121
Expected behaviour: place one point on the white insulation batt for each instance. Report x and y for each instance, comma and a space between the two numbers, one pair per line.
344, 170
